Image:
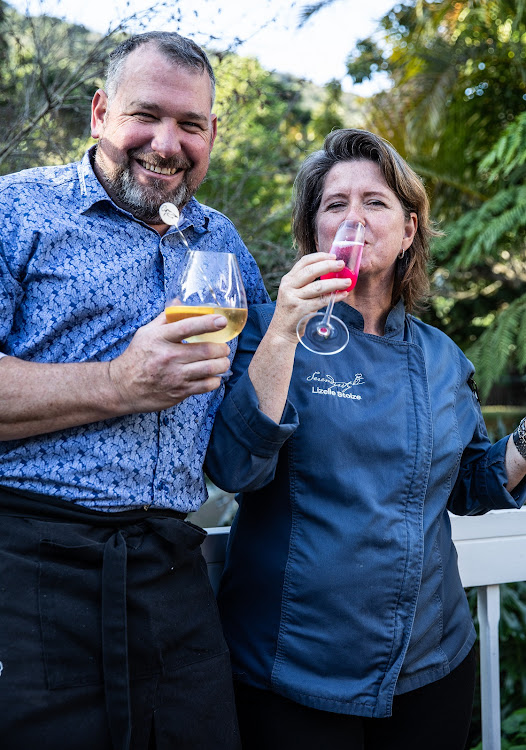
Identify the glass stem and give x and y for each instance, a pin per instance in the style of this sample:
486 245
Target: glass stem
325 321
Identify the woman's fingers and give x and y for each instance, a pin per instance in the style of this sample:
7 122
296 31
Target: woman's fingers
304 277
314 265
302 291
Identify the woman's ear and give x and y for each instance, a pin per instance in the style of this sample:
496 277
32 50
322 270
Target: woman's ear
411 226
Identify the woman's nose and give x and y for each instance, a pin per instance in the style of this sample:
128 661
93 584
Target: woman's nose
356 213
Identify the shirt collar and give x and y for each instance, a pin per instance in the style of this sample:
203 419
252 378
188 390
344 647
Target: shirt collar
195 215
91 192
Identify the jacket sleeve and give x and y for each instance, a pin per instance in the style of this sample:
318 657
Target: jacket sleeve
480 484
244 445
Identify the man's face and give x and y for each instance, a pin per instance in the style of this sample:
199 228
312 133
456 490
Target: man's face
155 135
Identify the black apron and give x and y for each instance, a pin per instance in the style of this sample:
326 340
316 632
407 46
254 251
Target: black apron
109 631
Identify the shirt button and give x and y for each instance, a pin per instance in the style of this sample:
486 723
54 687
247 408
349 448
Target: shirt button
166 421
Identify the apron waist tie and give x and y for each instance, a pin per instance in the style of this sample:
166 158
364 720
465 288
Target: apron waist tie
115 641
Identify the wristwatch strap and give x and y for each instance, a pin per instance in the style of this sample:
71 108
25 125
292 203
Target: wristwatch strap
519 438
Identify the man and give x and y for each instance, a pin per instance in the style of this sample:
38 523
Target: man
109 636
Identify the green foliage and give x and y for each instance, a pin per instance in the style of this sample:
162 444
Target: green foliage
264 131
366 60
499 343
50 73
507 159
457 67
267 124
249 179
492 237
500 220
482 232
456 112
513 732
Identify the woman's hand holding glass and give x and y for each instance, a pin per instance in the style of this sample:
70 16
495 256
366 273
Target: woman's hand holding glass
324 333
302 292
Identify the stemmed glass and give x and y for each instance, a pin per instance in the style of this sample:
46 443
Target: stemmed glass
324 333
210 282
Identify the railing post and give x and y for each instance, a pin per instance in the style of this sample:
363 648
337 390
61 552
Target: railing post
488 608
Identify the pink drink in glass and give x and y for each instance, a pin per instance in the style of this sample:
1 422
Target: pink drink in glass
351 253
323 332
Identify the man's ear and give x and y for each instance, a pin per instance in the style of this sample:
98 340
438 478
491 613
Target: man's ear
214 131
99 107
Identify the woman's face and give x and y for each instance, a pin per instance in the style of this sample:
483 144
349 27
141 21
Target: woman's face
357 190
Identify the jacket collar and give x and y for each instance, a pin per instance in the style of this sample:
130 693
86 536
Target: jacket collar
394 326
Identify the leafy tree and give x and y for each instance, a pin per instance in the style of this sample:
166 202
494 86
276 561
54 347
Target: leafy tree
267 122
50 72
260 118
492 238
458 75
46 88
264 132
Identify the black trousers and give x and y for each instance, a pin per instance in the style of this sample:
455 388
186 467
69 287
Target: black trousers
434 717
109 632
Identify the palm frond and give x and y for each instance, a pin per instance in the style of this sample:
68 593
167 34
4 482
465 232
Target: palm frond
498 345
479 233
509 153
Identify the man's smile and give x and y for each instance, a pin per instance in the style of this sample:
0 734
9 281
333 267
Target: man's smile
170 171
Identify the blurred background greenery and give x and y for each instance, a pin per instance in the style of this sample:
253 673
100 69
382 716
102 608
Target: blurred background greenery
454 105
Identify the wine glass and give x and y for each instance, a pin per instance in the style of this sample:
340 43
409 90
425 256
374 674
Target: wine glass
324 333
210 282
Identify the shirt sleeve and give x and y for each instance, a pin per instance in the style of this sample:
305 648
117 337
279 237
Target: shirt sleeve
480 485
252 279
245 443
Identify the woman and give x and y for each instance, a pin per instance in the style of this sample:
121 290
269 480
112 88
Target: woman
341 599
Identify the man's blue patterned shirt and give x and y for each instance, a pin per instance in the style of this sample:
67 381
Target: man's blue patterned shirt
78 277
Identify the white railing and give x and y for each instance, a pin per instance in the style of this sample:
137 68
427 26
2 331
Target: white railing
491 550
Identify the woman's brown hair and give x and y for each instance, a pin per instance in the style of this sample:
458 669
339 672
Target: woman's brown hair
411 275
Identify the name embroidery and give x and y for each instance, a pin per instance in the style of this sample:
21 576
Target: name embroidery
340 389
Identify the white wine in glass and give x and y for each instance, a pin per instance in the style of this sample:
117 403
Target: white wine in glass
210 283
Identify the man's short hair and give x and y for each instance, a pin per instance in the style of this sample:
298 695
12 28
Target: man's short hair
178 49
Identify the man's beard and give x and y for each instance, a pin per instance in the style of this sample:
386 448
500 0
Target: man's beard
143 201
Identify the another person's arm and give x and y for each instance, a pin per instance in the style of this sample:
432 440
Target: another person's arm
300 292
155 372
491 476
255 418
